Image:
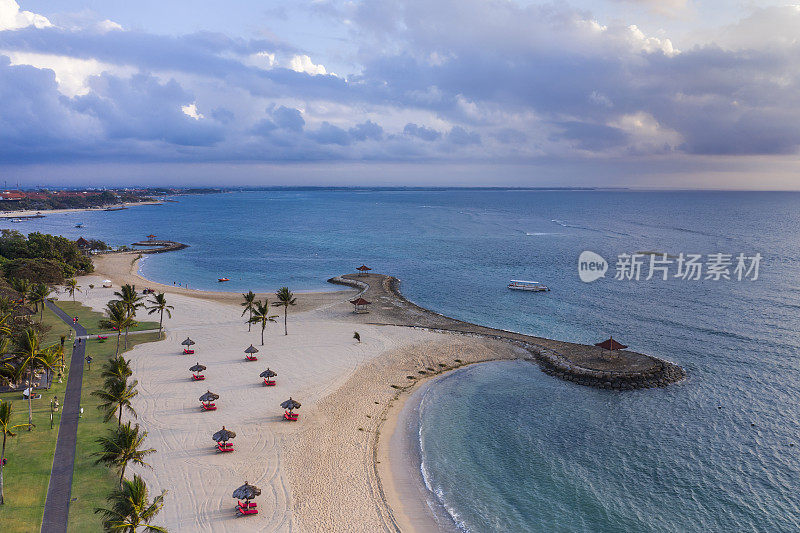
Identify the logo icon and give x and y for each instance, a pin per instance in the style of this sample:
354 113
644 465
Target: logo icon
591 266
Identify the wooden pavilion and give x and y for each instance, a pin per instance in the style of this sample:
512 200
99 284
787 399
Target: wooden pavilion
360 305
611 345
363 269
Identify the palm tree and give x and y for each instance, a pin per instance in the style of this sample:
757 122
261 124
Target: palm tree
285 299
7 430
249 305
131 509
38 295
117 368
261 316
121 447
117 319
159 305
31 357
22 286
117 396
6 305
130 301
72 286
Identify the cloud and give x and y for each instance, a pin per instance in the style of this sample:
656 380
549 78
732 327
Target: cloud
303 63
12 18
462 137
434 81
426 134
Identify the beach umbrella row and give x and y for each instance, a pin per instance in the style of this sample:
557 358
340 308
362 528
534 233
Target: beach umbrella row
290 404
209 397
268 374
197 368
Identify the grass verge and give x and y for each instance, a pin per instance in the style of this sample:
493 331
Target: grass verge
91 483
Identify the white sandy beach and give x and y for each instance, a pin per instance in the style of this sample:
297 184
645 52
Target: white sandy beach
45 212
317 474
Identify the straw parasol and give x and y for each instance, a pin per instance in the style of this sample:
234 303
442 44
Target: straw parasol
251 350
223 435
197 368
246 492
209 397
290 404
187 342
268 374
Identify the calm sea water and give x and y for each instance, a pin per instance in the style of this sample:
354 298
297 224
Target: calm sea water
719 452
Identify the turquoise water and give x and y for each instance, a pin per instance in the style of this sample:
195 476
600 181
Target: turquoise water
526 451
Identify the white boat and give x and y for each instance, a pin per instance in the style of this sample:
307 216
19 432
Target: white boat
16 220
521 285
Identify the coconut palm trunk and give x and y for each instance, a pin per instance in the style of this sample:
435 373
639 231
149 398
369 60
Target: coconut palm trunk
119 333
2 460
30 399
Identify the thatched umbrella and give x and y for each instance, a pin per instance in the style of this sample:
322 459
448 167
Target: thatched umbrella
223 435
246 492
209 397
197 368
187 342
290 404
268 374
251 350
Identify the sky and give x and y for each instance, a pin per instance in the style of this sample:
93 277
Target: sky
632 93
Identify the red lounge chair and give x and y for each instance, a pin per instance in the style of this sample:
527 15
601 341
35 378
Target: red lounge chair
187 351
290 416
209 407
225 448
245 505
251 357
246 511
102 337
269 383
198 377
229 444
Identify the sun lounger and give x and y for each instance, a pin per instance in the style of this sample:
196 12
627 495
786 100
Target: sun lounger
246 511
229 444
251 357
245 505
269 383
225 448
102 337
198 377
209 407
188 352
290 416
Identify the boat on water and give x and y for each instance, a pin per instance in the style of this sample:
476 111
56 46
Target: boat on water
521 285
16 220
79 225
223 279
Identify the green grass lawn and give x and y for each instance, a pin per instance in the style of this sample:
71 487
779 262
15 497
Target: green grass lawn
91 320
30 454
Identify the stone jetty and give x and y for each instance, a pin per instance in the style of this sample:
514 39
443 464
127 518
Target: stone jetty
583 364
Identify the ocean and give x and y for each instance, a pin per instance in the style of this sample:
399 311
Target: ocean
505 447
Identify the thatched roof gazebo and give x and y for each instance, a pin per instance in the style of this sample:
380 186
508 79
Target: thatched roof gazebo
610 344
363 269
360 305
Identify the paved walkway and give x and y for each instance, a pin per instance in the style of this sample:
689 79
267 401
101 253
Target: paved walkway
56 507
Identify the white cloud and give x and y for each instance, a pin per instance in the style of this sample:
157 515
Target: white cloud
12 18
191 111
108 25
303 63
71 73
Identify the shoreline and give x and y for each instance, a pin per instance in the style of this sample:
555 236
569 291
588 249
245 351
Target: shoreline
346 459
31 213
